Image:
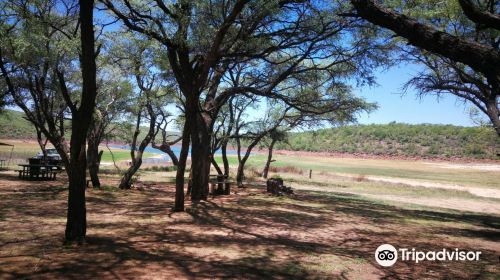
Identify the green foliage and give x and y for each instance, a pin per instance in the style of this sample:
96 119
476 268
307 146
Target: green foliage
14 126
398 139
156 168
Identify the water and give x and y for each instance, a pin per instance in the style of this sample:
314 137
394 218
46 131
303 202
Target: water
164 157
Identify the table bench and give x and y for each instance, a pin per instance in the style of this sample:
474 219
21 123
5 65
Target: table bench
38 172
220 184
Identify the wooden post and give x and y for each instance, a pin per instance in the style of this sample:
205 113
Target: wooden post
310 173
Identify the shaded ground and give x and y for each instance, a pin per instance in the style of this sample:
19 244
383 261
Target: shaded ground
250 235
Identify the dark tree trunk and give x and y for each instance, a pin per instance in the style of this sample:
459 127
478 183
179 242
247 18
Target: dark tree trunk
220 177
165 147
181 168
479 57
225 161
171 154
269 159
94 161
216 165
126 181
200 151
76 225
41 142
240 174
494 115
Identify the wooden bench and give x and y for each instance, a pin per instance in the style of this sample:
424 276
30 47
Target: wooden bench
38 172
40 175
220 185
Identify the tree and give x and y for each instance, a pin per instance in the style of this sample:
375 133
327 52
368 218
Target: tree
469 69
76 225
37 56
113 97
202 39
275 136
137 59
166 140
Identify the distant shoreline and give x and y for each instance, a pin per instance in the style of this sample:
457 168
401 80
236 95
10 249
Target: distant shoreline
321 154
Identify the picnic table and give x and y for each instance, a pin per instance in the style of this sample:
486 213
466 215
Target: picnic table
38 171
220 184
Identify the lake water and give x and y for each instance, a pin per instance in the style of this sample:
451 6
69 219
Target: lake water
164 157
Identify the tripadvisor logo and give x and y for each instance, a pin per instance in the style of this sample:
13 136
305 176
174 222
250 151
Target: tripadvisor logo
387 255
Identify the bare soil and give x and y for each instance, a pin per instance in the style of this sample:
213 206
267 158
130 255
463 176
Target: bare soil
247 235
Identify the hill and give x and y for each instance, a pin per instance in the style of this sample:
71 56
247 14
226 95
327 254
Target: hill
399 139
13 125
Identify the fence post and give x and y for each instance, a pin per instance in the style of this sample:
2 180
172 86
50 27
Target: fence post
310 173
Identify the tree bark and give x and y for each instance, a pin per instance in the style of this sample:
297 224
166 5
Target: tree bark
200 150
126 181
481 58
269 159
481 17
240 174
76 225
225 161
94 161
181 168
494 113
165 147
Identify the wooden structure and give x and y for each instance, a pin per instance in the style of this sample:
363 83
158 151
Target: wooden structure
276 187
38 169
220 185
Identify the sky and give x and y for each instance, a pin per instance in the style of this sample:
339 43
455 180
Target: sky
409 108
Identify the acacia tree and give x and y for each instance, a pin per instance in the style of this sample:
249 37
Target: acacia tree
459 49
136 57
277 135
340 109
203 38
41 41
111 100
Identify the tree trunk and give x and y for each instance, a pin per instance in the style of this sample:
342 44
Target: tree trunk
41 142
216 165
225 161
480 57
181 168
76 224
269 159
172 155
240 174
166 149
94 162
220 178
126 181
200 150
494 114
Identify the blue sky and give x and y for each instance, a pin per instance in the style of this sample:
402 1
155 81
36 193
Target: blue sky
410 108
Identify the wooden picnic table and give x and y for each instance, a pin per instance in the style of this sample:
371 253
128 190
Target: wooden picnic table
38 171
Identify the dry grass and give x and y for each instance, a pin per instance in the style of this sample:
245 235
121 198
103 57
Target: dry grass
286 169
250 235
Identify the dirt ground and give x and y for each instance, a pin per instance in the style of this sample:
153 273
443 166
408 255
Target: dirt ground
247 235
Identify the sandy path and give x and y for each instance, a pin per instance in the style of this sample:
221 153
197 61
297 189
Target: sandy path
461 204
483 192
